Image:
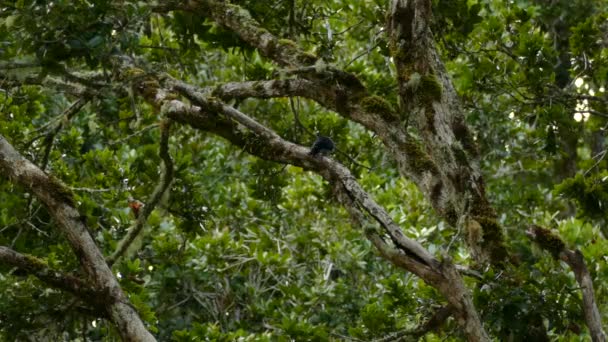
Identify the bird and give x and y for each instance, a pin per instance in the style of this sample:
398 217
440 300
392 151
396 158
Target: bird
322 146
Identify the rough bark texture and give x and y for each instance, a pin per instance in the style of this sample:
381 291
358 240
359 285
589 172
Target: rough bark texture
430 105
60 203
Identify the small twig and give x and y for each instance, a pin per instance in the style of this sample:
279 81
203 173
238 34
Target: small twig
90 189
37 229
601 156
366 52
17 236
296 118
49 140
141 131
158 47
177 304
353 160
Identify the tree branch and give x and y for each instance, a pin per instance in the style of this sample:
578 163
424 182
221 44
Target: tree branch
49 139
166 177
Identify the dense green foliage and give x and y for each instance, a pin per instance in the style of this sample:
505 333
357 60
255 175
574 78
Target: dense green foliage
244 248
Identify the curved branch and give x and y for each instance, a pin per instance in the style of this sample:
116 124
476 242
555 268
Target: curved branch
166 177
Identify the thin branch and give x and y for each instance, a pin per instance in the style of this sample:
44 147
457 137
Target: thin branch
296 118
366 52
91 190
600 156
166 177
68 114
141 131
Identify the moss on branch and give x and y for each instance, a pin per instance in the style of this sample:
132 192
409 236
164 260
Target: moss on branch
377 105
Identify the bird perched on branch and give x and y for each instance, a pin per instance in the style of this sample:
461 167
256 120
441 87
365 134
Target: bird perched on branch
322 146
135 206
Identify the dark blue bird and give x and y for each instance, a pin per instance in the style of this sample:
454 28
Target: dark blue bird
322 146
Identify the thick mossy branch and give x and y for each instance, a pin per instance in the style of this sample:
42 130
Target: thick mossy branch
430 88
547 240
418 160
377 105
493 239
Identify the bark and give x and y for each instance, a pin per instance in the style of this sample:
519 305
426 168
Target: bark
60 203
429 104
